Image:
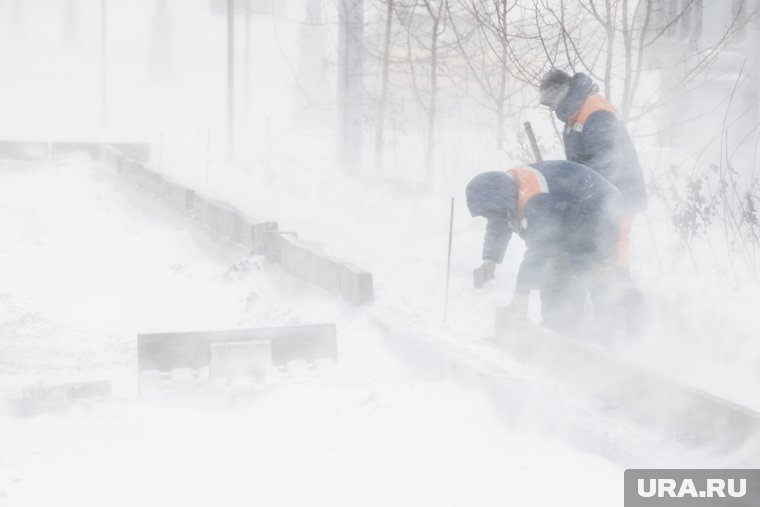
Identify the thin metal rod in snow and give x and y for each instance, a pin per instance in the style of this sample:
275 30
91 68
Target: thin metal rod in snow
208 154
533 144
448 262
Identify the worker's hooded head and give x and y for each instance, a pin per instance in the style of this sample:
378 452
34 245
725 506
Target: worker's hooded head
491 193
553 88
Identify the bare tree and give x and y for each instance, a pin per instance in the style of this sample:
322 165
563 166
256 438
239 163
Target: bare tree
425 23
483 38
610 40
487 55
384 83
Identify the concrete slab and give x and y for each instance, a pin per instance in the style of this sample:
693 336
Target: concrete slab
615 388
168 351
231 226
259 240
273 244
214 217
24 150
240 226
326 273
59 148
295 257
545 408
176 196
58 398
109 156
199 207
236 360
356 285
140 152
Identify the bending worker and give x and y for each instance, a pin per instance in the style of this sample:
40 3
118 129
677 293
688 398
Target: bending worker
569 217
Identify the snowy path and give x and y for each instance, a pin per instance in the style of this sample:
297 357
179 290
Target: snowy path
698 324
82 269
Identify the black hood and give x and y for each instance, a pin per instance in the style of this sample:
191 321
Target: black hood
581 86
491 192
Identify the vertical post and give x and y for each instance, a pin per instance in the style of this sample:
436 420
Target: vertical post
161 61
448 262
70 39
380 123
16 28
160 150
350 35
342 80
247 59
269 148
103 62
230 79
208 153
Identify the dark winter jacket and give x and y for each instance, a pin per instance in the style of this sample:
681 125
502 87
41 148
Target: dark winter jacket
561 209
595 137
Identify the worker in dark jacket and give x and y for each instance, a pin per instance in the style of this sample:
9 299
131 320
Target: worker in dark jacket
569 217
595 137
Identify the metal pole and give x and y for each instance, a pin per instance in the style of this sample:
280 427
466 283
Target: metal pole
448 262
230 79
160 150
269 149
208 153
350 45
247 58
103 67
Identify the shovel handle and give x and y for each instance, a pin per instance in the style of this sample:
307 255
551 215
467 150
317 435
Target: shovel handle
533 143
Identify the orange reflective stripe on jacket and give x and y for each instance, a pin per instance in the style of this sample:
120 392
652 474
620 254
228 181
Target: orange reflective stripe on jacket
530 182
592 104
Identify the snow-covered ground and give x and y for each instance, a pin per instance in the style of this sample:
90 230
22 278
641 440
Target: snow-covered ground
701 330
86 266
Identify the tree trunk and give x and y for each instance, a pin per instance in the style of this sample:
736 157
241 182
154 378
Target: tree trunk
350 35
432 106
502 80
610 21
382 101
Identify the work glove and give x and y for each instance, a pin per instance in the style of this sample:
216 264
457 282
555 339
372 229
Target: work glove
484 273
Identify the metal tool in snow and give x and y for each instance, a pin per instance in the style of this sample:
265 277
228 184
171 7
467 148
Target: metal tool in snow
448 261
